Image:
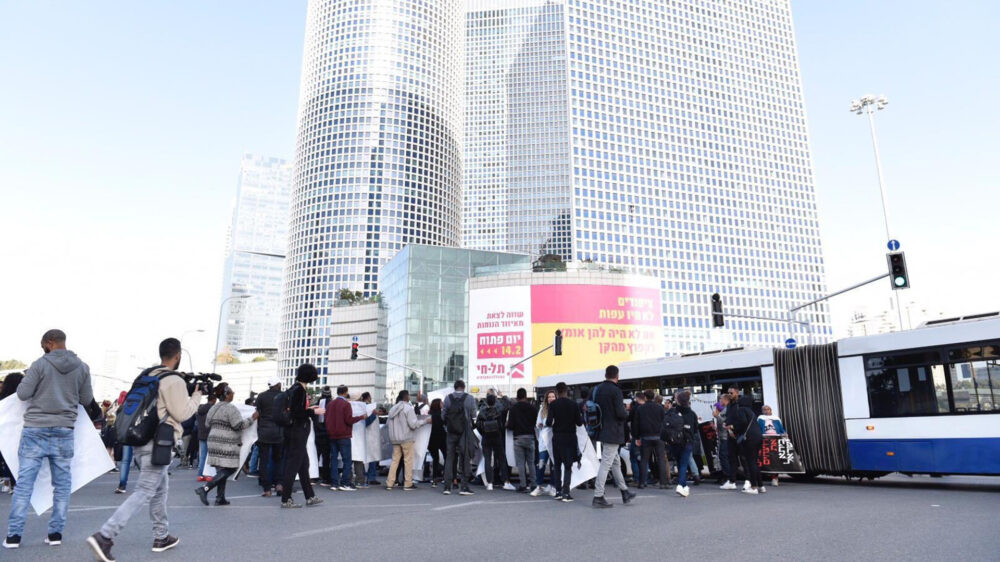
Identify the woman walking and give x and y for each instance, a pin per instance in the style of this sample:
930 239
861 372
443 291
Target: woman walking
749 440
436 445
225 427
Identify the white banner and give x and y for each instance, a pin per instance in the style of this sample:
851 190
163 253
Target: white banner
422 439
588 464
359 445
90 457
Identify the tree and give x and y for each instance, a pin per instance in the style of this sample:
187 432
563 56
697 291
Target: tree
259 359
226 358
12 364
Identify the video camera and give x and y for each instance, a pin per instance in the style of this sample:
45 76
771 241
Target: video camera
200 381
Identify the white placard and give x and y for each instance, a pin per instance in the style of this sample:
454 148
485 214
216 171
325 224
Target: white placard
422 438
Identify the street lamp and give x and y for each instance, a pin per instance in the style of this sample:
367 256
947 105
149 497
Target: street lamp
870 104
215 356
186 332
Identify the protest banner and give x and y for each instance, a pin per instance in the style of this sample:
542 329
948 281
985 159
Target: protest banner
90 458
778 456
589 462
422 438
359 448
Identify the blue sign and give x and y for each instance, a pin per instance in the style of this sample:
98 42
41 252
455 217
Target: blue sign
893 245
354 339
790 343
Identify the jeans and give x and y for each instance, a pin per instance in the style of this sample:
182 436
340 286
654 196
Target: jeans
723 451
38 444
269 465
683 454
254 466
202 455
401 453
151 488
126 466
342 448
634 456
372 474
653 448
564 455
456 450
493 456
609 463
524 460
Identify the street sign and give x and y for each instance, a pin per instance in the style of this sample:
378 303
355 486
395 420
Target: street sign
354 339
893 245
790 343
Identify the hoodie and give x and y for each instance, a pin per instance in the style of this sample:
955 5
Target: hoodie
53 386
402 423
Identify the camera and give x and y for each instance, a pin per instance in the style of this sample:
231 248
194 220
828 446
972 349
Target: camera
200 381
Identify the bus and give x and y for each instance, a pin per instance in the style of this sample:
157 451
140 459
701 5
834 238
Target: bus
925 400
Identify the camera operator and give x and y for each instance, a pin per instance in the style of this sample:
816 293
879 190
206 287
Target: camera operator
173 406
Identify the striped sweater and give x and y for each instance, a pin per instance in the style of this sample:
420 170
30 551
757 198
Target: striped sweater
224 435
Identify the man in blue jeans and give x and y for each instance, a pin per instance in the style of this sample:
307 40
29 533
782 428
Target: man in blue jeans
340 427
52 386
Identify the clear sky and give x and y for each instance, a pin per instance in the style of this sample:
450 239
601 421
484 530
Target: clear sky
122 125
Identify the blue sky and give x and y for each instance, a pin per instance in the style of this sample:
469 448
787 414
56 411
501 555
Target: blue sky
122 126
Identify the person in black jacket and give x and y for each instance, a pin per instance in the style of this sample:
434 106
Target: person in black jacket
296 436
609 398
647 431
683 450
750 440
269 438
564 417
732 449
521 421
437 445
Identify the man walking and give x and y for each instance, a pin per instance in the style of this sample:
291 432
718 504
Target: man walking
564 417
647 433
402 423
609 399
340 427
173 406
459 409
490 427
269 438
53 386
296 438
521 421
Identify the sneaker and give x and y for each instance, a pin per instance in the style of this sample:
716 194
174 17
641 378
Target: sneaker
434 484
54 539
627 496
746 484
447 491
489 487
762 490
266 494
558 496
509 487
202 494
551 491
115 469
101 547
290 504
536 492
568 498
313 501
600 502
347 488
201 479
409 488
522 490
681 491
751 491
326 484
774 481
120 490
466 492
13 541
166 543
729 485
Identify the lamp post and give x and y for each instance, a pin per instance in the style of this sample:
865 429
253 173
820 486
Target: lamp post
869 104
186 332
215 356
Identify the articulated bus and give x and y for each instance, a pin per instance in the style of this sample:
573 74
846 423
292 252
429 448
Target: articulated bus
925 400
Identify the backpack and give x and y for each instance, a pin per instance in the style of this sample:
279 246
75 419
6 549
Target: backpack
454 416
674 432
592 415
137 419
489 422
281 408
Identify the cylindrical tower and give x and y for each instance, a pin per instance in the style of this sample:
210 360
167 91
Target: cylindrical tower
378 155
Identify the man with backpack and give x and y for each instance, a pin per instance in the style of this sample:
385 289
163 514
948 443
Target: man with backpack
611 404
458 411
291 411
173 406
52 386
490 426
680 423
269 438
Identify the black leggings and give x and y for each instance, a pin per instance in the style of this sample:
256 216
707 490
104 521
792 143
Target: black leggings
221 476
750 452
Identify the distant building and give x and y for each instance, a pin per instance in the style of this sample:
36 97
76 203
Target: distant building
248 377
365 321
867 321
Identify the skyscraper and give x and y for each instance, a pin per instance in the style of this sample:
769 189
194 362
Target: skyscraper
378 156
667 137
257 239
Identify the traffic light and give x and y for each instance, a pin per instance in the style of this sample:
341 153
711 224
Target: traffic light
717 320
558 342
897 271
354 351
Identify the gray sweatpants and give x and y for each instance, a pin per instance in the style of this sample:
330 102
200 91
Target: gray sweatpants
609 462
524 460
152 487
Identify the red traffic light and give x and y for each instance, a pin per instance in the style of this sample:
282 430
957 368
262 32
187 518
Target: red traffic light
354 351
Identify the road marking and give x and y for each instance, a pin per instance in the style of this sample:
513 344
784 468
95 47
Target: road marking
334 528
935 505
463 504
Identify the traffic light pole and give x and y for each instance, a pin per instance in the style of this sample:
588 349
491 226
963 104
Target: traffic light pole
840 292
510 371
419 372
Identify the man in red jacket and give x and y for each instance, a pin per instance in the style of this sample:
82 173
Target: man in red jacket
340 427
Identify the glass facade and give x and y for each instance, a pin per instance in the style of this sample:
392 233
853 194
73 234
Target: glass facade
378 154
687 153
425 290
260 226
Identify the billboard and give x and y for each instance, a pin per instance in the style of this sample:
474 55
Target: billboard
601 325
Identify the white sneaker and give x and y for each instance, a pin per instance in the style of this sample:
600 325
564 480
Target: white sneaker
682 491
774 481
509 487
762 490
728 486
536 492
687 491
751 491
551 491
489 487
746 485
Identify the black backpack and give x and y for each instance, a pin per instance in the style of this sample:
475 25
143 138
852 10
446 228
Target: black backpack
454 416
489 422
281 408
137 419
674 432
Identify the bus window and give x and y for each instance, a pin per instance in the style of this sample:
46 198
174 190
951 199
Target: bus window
976 386
905 385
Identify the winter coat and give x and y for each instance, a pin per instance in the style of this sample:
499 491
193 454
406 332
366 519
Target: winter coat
226 426
609 397
403 422
268 432
200 421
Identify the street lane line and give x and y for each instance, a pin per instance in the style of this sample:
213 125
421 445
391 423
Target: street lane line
463 504
334 528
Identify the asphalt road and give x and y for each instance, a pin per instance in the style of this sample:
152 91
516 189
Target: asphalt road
895 518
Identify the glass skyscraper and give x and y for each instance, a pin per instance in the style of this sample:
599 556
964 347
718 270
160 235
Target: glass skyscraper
258 237
378 156
666 137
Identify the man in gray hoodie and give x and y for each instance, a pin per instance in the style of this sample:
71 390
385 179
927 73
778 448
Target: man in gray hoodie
402 423
53 386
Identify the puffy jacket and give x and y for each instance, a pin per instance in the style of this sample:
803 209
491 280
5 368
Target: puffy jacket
402 423
268 432
613 414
